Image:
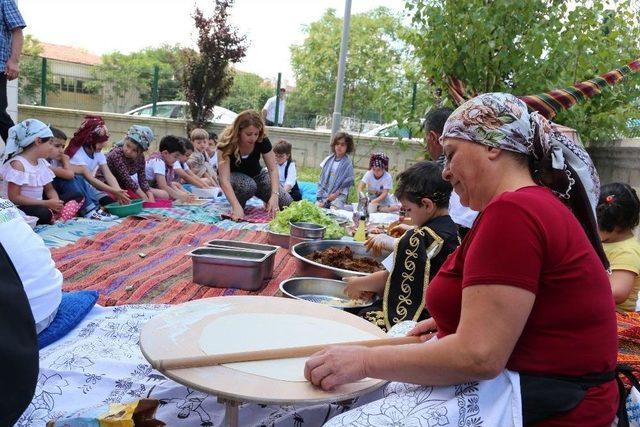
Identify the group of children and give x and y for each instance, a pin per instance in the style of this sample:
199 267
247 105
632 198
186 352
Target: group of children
48 179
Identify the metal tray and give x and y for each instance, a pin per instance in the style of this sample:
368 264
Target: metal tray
322 291
310 268
278 239
228 268
251 247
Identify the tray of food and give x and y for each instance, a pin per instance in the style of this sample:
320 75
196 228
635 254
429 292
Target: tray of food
323 291
229 268
251 247
335 259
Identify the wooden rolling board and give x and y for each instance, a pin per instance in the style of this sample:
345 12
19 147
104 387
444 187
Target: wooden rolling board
176 333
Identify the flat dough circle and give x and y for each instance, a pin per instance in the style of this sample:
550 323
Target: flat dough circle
261 331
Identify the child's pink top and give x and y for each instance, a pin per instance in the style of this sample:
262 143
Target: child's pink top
31 181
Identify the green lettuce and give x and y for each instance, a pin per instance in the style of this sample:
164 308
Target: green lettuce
305 211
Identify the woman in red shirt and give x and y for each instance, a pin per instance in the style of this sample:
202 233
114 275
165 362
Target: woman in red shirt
525 318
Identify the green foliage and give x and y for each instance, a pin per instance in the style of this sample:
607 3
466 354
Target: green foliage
378 73
247 92
30 77
533 46
206 78
119 75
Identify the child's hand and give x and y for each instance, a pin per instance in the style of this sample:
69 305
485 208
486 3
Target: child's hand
355 288
399 230
378 243
54 204
150 197
122 197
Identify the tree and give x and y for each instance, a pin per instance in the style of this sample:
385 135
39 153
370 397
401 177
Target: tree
119 76
247 92
30 77
532 46
377 86
206 78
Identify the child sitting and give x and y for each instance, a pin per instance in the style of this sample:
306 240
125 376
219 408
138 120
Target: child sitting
212 150
62 169
618 214
86 159
26 173
198 160
126 162
418 254
184 174
378 182
337 173
160 171
287 169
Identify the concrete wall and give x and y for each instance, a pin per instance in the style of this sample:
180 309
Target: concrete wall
619 162
309 147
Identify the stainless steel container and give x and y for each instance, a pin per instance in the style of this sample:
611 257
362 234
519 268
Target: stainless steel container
293 240
307 230
228 268
271 250
322 291
278 239
306 267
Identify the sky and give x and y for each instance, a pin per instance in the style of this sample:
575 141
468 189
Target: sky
271 26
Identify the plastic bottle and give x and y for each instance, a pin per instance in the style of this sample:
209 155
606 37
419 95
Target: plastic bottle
360 235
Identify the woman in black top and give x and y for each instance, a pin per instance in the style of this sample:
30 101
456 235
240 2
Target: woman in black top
241 175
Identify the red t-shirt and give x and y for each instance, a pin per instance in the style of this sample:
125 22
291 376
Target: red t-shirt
530 240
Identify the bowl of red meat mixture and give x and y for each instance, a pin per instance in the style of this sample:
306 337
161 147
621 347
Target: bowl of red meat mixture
335 259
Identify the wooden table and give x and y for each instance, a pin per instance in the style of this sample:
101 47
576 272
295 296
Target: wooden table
176 333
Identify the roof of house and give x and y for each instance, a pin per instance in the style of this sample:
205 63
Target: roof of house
69 54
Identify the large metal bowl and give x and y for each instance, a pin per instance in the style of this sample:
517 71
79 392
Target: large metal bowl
306 267
322 291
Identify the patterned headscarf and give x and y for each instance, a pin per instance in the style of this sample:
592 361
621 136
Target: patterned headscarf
379 160
503 121
141 135
91 132
23 135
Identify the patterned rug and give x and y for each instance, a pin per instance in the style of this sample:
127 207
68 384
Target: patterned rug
63 233
144 261
629 340
253 214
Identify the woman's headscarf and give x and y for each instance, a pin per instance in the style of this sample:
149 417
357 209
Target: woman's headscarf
379 160
141 135
91 132
23 135
503 121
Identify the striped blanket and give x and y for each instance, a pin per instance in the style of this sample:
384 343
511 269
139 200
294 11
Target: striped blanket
143 261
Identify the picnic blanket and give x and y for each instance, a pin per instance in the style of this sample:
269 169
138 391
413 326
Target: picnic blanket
253 214
629 340
100 362
144 261
63 233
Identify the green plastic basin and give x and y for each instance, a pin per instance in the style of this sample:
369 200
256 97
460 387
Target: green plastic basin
135 207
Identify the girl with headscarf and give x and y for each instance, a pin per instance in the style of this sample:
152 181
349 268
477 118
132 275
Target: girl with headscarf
377 183
86 158
127 163
26 175
523 313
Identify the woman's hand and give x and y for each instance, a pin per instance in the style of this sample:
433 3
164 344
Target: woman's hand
54 204
424 329
237 213
335 366
150 197
122 197
272 205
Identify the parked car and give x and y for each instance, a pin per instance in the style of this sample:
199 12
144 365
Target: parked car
393 130
179 110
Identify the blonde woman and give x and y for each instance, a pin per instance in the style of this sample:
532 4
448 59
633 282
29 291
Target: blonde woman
241 175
